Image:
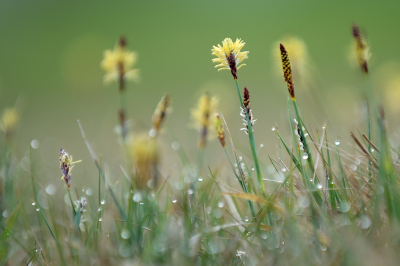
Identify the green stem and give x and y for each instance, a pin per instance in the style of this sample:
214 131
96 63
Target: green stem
252 143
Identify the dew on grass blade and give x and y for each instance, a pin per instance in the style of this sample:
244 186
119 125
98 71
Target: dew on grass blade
337 142
176 145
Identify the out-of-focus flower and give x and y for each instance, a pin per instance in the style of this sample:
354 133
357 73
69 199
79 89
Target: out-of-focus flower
144 153
201 117
66 165
9 121
159 115
229 55
360 51
118 63
219 129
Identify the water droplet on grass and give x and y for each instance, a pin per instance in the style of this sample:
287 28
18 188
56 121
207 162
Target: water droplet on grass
319 186
261 145
34 144
246 219
174 201
100 219
102 202
220 204
137 197
33 203
125 234
337 142
365 222
175 145
190 191
273 128
305 156
200 179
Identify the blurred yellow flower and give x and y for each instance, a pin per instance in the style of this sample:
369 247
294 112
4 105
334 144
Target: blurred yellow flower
144 153
118 63
9 121
229 55
202 115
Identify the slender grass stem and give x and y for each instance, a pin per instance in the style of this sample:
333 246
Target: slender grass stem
252 142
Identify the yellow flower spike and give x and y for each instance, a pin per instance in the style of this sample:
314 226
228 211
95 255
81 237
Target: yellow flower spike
159 115
144 152
229 55
219 129
201 117
361 48
118 63
9 121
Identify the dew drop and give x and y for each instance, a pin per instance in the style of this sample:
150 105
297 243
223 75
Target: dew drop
174 201
125 234
246 219
190 191
100 219
337 142
99 209
220 204
34 144
200 179
319 186
273 129
240 158
37 209
365 222
264 235
372 150
252 169
51 189
137 197
142 203
5 214
261 145
305 156
102 202
283 169
175 145
33 203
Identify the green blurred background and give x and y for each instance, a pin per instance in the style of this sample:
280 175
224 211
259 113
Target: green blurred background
50 53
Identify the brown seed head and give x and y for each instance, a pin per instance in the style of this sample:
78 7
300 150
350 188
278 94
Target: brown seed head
246 110
287 70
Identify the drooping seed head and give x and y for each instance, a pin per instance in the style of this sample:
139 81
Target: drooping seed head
66 165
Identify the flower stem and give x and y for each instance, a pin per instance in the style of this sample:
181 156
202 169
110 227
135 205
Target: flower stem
252 142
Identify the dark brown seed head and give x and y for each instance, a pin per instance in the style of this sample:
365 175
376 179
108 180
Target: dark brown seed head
122 41
287 70
232 64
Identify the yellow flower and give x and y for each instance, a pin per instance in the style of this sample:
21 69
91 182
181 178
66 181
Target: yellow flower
9 121
201 117
361 49
144 153
118 63
229 55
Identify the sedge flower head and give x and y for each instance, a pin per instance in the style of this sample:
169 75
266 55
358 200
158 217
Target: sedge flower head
202 117
297 50
9 121
118 63
360 51
144 152
229 55
66 165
